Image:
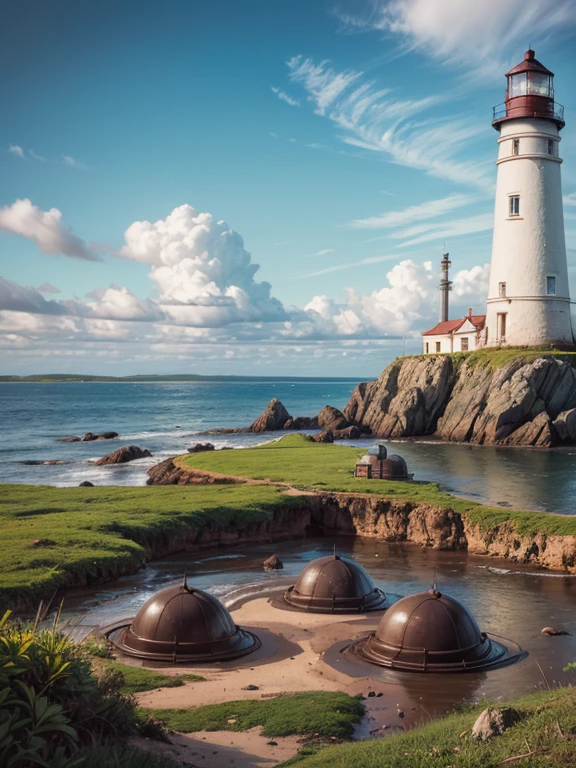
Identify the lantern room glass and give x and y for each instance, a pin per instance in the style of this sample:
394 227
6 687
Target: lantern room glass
530 83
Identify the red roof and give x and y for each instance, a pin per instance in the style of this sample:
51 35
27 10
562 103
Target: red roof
451 326
529 64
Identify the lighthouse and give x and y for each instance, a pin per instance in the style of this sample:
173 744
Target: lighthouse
528 297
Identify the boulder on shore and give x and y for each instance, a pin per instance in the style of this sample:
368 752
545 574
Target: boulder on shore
201 447
273 418
123 455
326 436
86 484
493 722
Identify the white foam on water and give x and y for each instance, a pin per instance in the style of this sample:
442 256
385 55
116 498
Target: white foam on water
537 574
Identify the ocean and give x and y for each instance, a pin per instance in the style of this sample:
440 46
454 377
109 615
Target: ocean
166 417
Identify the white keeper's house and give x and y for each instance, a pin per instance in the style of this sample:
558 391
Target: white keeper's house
528 296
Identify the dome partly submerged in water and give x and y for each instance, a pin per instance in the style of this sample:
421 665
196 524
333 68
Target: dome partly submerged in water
431 632
335 584
183 624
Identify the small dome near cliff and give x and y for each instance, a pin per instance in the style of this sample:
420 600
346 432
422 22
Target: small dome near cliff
335 584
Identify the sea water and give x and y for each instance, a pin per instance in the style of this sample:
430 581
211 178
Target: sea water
167 417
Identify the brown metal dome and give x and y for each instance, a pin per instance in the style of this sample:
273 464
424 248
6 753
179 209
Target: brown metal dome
335 585
184 624
394 468
429 632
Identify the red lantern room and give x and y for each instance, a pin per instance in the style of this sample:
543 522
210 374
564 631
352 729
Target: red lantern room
530 93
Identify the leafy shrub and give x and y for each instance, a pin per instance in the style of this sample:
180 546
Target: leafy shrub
51 703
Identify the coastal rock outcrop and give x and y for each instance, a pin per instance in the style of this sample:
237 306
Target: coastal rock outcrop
273 418
167 472
331 418
522 403
88 437
201 447
123 455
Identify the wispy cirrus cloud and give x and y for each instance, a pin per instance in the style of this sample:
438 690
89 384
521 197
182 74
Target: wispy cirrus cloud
15 149
372 119
324 251
283 96
464 32
421 212
46 228
425 233
348 265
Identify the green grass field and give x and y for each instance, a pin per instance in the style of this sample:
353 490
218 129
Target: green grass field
57 537
327 714
546 733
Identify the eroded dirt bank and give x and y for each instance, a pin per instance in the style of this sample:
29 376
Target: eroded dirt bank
340 514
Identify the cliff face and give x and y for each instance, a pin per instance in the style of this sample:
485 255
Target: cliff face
520 403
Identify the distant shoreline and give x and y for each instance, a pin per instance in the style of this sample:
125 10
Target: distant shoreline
56 378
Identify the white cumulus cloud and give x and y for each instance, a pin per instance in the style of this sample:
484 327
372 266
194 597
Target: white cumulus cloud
204 274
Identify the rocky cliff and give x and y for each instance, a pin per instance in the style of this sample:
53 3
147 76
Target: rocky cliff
529 403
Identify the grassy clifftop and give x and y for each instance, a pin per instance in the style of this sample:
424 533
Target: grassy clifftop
495 357
318 467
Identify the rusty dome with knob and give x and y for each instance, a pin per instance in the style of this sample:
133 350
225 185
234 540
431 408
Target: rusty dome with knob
184 624
334 584
431 632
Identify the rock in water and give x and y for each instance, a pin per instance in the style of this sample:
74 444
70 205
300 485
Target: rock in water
123 455
90 436
331 418
273 563
493 722
552 632
201 447
273 418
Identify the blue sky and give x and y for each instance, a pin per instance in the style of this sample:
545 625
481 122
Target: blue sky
344 143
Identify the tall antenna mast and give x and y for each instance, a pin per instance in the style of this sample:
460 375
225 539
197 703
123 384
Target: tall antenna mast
445 286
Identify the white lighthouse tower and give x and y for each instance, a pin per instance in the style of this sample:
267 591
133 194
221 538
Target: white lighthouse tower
528 297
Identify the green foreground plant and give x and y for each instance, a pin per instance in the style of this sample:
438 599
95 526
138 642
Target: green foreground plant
51 705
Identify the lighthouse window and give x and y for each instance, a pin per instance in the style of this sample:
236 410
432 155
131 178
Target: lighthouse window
514 209
502 289
516 147
551 285
550 146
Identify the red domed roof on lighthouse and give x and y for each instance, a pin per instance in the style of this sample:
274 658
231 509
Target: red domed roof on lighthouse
529 63
529 94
